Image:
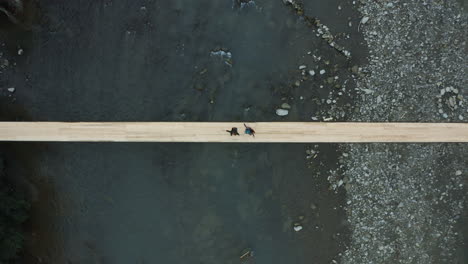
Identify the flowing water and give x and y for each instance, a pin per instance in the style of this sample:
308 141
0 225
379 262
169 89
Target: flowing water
172 203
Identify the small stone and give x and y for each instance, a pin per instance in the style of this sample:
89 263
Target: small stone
20 52
322 71
379 99
452 101
301 97
445 115
297 83
460 117
455 91
368 91
282 112
340 182
297 227
301 217
339 7
347 186
285 106
329 101
11 89
442 91
311 72
458 172
302 67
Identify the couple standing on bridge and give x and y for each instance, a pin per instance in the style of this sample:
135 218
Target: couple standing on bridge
248 131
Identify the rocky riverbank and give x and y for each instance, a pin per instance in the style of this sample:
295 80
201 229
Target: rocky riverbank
404 202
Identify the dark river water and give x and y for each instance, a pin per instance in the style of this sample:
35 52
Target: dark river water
172 203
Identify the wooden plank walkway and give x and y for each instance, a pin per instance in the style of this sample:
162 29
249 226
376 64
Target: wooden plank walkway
272 132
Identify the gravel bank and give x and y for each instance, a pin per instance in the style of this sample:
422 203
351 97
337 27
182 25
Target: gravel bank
403 201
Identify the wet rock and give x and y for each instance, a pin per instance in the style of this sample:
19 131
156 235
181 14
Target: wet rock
311 72
302 67
282 112
322 72
11 89
297 227
285 106
224 55
458 173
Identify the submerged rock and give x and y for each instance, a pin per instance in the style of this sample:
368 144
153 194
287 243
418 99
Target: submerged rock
285 106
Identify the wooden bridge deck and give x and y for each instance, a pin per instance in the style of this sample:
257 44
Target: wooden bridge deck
271 132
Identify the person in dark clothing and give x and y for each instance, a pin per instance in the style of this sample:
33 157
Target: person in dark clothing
249 130
233 131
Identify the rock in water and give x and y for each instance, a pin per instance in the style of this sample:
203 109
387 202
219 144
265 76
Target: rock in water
285 106
11 89
282 112
297 228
